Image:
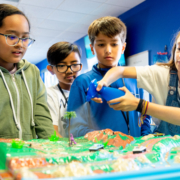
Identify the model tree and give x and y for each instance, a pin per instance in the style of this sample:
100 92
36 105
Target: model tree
69 115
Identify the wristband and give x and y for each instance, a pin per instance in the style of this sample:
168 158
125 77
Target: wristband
139 107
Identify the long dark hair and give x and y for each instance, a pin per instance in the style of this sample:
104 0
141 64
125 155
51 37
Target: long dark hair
8 10
171 62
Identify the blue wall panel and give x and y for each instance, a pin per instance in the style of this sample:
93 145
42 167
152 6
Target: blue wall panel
151 25
42 65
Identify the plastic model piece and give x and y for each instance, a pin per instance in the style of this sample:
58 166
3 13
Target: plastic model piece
139 149
72 139
96 147
158 134
54 137
107 93
104 143
17 144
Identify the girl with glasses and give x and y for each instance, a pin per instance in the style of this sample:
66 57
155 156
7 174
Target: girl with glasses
64 63
23 109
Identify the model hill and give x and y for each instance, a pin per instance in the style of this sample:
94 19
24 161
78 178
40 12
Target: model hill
114 138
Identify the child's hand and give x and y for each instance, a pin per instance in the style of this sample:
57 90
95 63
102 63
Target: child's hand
128 102
97 100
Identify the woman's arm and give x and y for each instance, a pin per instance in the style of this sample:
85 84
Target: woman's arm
129 103
112 75
165 113
115 73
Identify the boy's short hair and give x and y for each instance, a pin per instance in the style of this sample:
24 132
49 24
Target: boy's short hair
59 51
109 26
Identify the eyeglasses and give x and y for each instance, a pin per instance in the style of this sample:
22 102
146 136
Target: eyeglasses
64 68
12 40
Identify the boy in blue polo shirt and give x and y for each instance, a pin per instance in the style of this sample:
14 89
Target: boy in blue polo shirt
107 36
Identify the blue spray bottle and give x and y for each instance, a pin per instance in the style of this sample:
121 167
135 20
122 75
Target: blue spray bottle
107 93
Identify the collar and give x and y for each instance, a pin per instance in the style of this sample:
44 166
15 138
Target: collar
105 69
14 69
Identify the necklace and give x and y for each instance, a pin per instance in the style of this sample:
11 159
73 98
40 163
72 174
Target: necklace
62 92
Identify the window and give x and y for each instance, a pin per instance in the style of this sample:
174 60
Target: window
49 79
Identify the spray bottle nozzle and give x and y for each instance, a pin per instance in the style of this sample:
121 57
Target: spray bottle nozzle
92 90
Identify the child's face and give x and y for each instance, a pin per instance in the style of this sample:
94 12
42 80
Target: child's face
108 50
15 25
66 78
177 54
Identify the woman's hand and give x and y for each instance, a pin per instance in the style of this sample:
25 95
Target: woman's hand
101 83
128 102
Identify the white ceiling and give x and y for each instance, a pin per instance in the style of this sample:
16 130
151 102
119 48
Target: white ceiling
64 20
